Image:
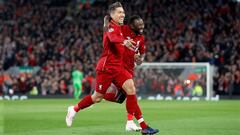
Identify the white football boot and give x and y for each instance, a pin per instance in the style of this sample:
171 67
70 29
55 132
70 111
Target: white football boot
70 116
131 126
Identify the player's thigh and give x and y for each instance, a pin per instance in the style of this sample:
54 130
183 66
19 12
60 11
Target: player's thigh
103 82
125 81
129 87
97 97
77 86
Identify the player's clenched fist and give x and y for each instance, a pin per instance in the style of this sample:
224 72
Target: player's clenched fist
138 59
129 43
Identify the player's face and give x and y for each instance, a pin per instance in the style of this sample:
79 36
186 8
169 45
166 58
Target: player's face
138 26
118 15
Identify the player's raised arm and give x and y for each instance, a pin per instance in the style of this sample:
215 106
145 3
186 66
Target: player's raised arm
106 22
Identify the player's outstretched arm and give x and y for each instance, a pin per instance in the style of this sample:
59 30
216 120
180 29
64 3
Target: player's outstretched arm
106 23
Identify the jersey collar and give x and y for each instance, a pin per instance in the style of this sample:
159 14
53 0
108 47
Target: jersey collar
114 23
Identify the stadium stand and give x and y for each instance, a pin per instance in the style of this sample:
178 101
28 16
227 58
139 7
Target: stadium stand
60 35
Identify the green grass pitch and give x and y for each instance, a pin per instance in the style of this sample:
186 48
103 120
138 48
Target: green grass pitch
47 117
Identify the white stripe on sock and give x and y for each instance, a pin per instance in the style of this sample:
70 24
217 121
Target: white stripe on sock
140 120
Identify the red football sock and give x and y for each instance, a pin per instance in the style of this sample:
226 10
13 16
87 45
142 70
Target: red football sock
131 104
84 103
138 116
110 97
129 117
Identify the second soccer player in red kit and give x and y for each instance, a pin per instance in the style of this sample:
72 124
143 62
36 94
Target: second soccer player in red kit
110 70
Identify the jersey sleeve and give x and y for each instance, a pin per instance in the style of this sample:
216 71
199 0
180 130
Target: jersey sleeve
115 35
142 46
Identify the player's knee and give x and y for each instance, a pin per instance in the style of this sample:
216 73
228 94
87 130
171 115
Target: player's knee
129 87
132 91
97 100
97 97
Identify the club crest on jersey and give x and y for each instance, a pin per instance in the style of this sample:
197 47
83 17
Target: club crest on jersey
110 30
100 87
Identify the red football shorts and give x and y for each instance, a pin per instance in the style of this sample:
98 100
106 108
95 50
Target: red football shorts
105 78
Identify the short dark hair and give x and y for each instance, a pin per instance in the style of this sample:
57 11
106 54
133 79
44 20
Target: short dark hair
133 18
113 6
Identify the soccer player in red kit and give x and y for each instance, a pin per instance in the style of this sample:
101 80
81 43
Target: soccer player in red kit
132 31
110 70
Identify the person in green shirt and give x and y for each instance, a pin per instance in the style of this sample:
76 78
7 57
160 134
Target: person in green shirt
77 76
197 90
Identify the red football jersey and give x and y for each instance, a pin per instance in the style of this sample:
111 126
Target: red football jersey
112 55
128 56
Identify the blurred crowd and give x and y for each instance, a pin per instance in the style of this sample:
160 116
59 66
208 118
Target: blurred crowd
170 81
61 35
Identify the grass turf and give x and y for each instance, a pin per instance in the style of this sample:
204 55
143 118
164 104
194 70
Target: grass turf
47 117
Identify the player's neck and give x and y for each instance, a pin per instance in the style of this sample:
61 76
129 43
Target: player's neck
115 23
